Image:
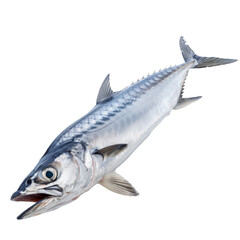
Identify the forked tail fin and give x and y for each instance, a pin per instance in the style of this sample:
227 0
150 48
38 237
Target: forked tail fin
189 54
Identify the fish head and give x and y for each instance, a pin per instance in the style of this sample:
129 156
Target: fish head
60 177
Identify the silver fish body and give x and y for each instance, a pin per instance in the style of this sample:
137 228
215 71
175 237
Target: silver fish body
130 115
89 150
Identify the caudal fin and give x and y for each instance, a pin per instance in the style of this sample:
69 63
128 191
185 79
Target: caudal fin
189 54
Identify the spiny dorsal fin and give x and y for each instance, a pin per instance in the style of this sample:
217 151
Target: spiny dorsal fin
116 183
105 90
109 150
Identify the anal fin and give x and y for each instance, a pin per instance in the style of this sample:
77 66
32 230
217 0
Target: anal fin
183 102
116 183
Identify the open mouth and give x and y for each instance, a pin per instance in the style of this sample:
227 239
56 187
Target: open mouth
30 198
43 201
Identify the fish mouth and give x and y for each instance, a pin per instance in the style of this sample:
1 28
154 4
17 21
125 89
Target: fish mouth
44 200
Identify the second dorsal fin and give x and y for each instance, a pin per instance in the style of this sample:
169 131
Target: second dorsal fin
105 90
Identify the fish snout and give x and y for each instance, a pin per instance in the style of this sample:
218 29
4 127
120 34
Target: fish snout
15 196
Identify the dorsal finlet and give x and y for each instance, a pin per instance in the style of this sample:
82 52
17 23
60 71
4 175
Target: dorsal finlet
105 90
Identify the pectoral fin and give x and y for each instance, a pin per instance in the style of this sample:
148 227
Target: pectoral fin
111 150
116 183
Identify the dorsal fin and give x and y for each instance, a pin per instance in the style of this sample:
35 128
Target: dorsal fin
105 90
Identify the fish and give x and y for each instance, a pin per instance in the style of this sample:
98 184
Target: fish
89 151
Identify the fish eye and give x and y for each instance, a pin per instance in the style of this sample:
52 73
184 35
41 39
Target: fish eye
49 174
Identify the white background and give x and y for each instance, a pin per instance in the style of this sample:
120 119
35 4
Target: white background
54 56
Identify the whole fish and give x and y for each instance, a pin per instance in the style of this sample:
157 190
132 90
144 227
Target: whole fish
89 151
